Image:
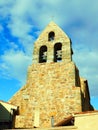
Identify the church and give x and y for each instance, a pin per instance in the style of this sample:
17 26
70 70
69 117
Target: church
54 90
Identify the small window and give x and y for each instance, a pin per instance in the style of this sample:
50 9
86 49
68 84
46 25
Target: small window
58 52
43 54
51 36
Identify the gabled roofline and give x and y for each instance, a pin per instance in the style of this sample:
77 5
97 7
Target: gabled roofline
16 107
85 113
65 121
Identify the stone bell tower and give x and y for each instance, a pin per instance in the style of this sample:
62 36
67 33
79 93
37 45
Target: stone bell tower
53 45
54 88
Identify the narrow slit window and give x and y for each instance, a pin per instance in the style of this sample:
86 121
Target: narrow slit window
43 54
51 36
58 52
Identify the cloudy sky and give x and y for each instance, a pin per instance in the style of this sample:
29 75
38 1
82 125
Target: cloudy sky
21 21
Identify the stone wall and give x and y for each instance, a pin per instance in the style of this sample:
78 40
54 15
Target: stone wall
85 95
50 91
60 36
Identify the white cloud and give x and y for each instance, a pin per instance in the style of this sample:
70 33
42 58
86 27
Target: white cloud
14 65
5 7
20 28
78 18
13 45
87 63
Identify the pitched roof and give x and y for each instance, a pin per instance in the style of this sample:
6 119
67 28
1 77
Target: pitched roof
66 122
11 105
86 113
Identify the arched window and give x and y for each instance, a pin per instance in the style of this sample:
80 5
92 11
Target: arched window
51 36
57 52
43 54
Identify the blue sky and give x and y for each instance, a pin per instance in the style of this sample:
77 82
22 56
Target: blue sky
21 21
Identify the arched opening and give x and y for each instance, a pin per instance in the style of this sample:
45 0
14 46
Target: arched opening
51 36
43 54
57 52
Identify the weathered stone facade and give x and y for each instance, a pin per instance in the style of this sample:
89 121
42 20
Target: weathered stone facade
54 88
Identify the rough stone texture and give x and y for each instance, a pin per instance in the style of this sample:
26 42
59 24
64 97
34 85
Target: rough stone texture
85 95
52 88
60 36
